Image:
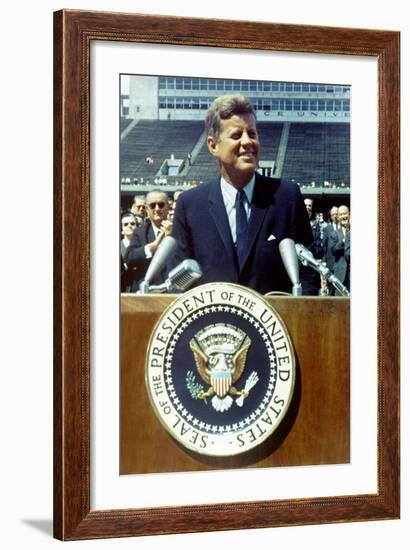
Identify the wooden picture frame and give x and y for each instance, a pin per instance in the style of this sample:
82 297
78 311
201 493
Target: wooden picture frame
74 33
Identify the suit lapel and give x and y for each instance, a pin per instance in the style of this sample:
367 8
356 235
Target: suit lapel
218 213
149 233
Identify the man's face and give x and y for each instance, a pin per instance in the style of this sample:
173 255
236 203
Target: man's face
333 215
157 208
344 216
309 206
128 226
138 208
237 148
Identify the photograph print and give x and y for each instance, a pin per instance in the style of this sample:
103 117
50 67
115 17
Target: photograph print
235 273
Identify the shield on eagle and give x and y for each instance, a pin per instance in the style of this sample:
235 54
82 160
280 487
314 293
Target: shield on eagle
221 381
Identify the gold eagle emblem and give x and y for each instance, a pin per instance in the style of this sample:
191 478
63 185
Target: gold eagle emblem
220 353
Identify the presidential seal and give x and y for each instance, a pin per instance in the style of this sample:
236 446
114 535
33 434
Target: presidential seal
220 369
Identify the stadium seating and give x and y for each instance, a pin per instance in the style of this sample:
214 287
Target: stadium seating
318 152
124 122
161 138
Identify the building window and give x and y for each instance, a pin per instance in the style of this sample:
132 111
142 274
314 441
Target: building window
288 104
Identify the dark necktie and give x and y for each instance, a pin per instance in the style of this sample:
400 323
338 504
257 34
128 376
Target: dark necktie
241 225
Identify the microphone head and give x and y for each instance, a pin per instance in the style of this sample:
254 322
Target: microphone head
184 275
290 260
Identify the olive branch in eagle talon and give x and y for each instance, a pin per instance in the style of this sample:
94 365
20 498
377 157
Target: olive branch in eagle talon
193 386
221 369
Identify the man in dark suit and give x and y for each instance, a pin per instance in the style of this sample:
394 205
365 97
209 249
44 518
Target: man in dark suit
233 226
148 237
330 236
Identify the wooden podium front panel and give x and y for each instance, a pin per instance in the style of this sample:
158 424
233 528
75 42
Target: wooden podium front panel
316 429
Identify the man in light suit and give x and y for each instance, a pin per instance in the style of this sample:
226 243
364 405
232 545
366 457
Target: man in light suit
233 226
148 237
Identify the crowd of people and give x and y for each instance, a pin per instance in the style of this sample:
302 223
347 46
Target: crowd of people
233 226
143 227
149 219
331 242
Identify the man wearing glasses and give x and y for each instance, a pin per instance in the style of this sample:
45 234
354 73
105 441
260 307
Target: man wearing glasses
148 237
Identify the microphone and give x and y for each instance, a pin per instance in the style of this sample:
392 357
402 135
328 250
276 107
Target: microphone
290 261
306 258
166 248
180 278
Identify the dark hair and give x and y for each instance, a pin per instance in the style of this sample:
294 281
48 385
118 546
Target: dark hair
126 214
224 107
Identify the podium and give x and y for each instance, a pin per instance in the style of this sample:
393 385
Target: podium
316 429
